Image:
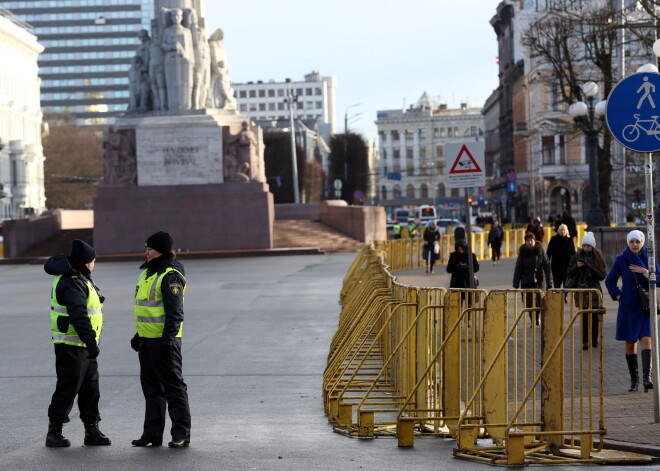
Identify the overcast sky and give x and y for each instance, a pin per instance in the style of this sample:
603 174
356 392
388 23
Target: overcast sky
384 53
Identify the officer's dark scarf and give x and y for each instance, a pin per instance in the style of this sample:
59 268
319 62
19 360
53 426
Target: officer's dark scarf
157 264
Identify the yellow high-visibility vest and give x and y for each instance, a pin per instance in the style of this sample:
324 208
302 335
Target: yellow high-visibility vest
149 309
94 311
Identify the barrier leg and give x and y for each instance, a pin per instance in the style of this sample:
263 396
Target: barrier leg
365 423
405 433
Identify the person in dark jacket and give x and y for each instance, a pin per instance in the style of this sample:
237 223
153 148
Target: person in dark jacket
495 238
159 321
431 237
588 268
457 265
567 219
76 322
559 252
532 268
536 228
632 323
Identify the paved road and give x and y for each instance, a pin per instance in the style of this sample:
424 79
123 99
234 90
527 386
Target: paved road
255 344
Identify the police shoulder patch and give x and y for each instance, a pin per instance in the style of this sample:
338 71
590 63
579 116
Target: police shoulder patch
175 288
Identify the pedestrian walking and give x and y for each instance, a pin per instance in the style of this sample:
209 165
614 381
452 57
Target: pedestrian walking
559 252
633 324
458 266
536 228
431 249
532 268
588 268
76 320
159 320
495 238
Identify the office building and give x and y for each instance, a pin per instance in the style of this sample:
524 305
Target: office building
21 154
89 46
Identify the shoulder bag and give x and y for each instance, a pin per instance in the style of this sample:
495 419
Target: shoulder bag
644 297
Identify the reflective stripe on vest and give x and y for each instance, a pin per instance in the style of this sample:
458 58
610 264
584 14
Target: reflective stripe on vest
94 312
149 309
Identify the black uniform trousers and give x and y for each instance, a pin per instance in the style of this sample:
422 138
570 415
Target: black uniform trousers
163 385
76 375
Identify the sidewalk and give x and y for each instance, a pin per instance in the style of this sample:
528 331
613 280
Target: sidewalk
628 415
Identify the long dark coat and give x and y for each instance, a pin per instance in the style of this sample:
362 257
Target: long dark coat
532 267
559 252
631 322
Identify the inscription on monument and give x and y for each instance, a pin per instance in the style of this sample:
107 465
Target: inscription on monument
180 155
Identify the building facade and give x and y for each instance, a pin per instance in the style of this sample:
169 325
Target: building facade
89 47
315 102
21 153
412 160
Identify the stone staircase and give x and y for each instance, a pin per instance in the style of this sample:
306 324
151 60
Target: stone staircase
302 233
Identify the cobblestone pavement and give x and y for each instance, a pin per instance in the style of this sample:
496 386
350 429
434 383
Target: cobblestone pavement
629 416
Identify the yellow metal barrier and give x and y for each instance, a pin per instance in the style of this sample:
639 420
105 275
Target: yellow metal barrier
470 365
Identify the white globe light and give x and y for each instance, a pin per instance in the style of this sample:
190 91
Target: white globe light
656 48
647 69
578 109
590 89
600 108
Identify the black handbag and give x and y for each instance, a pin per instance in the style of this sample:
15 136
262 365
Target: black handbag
644 298
570 282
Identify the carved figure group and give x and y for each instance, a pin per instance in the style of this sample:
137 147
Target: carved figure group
241 156
119 158
179 68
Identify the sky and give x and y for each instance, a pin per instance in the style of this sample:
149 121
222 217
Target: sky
384 53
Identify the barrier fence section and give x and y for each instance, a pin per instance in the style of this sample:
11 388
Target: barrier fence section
515 376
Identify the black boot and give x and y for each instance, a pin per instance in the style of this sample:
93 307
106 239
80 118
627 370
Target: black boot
646 369
634 374
93 436
54 438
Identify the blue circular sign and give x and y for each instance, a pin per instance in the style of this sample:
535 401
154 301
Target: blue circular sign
633 110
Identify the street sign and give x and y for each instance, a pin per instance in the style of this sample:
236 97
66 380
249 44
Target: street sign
511 187
633 108
337 184
393 176
358 195
481 201
466 165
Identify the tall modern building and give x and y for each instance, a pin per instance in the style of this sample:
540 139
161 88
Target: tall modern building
89 46
315 105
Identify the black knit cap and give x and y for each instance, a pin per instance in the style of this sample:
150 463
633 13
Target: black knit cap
82 252
160 241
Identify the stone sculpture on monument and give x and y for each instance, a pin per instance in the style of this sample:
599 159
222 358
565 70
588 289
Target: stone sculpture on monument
182 155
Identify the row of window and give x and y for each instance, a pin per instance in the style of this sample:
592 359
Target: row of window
85 15
306 105
83 95
85 108
63 3
318 117
88 82
424 169
70 56
280 92
76 69
409 134
411 192
410 152
90 42
107 28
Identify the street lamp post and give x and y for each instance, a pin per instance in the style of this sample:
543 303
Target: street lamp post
586 114
291 99
346 140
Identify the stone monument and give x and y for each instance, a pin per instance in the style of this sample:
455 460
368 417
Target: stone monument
182 159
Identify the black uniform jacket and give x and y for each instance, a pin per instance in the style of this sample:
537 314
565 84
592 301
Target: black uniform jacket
72 292
171 287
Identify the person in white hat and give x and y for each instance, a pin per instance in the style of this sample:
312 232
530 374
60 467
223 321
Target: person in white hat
588 268
633 324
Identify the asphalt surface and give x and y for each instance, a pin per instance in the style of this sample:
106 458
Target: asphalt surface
255 343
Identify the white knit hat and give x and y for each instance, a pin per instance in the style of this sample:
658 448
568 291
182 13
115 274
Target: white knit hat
639 235
589 239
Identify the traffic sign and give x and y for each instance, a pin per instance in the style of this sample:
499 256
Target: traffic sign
394 176
466 165
511 187
633 108
358 195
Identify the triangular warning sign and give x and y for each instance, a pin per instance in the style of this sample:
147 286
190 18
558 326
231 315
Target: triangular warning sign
465 162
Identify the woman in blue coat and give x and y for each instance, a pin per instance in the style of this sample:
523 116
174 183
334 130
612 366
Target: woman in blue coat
632 324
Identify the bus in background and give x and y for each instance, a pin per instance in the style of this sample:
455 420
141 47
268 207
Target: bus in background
401 215
426 213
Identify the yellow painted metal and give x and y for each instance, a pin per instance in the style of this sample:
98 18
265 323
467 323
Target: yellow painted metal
466 363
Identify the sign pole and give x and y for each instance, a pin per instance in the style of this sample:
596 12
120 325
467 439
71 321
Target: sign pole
650 246
468 236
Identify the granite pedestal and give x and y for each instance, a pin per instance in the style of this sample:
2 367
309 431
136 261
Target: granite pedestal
200 217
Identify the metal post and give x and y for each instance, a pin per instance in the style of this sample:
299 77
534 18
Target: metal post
650 246
468 236
294 158
595 215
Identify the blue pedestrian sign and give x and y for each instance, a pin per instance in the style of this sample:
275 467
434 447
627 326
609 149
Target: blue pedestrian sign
633 109
511 187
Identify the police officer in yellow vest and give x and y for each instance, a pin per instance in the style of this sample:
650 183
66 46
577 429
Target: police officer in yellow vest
159 321
76 321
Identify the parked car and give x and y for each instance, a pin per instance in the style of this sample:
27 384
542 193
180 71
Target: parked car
444 223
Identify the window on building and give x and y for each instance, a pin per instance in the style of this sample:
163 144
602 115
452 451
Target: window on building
383 153
299 105
262 106
561 150
253 94
244 107
280 92
450 132
436 132
422 151
424 191
410 192
409 153
319 104
439 151
299 91
280 106
443 132
396 192
253 107
410 170
262 93
318 91
309 105
271 106
440 191
395 135
385 171
383 192
309 91
396 153
548 148
271 93
455 192
409 135
422 133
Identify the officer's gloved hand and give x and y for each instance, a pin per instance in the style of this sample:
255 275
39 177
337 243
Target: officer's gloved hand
93 350
135 343
166 351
